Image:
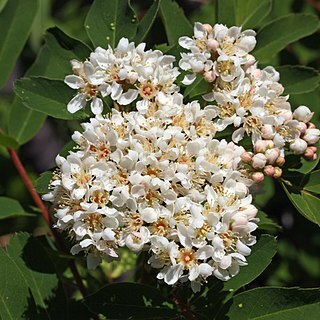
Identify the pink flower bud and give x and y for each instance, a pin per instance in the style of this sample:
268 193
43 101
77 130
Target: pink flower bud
257 177
280 161
302 127
309 153
303 114
269 171
209 76
272 155
267 131
208 27
298 146
277 172
246 157
260 146
311 125
212 44
313 148
259 160
312 136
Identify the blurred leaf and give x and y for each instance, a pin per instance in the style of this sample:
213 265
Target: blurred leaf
7 141
206 13
175 22
110 20
307 204
27 222
11 208
42 183
249 13
197 88
47 96
259 259
267 223
2 4
312 182
26 275
130 300
298 79
15 24
226 13
276 35
276 303
147 21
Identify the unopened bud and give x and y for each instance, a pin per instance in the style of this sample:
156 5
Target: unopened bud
269 144
209 76
272 155
277 172
302 127
311 125
280 161
212 44
257 177
251 60
267 131
309 153
298 146
303 114
246 157
287 115
314 149
269 171
208 27
132 76
312 136
259 160
260 146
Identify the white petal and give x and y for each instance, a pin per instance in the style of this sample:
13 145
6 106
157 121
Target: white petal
96 105
74 82
127 97
78 102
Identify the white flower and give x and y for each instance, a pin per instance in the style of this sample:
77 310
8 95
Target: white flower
303 114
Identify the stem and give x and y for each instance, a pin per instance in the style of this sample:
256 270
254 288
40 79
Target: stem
20 168
184 308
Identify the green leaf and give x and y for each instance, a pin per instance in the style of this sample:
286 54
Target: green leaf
197 88
7 141
266 193
27 278
312 182
298 79
130 300
175 22
15 24
249 13
2 4
275 304
47 96
147 21
110 20
266 223
11 208
260 257
277 34
307 204
226 13
43 182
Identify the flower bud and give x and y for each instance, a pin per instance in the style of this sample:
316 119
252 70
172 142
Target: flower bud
212 44
287 115
272 155
298 146
314 149
277 172
280 161
250 61
269 144
302 127
311 125
303 114
257 177
260 146
267 131
209 76
208 27
269 171
309 153
312 136
132 76
259 161
246 157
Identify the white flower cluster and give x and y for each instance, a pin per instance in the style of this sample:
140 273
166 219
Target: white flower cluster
156 179
124 74
245 96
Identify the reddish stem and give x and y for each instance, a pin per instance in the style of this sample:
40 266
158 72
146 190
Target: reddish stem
20 168
184 308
